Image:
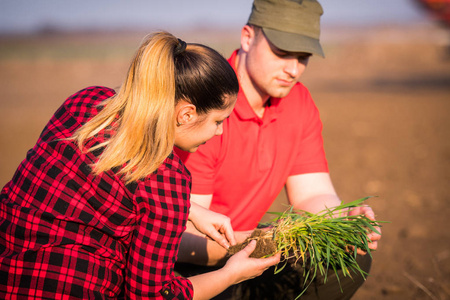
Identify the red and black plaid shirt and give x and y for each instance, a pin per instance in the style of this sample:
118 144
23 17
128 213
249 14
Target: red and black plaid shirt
65 233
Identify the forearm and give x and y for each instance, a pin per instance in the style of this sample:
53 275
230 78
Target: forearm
317 203
195 248
208 285
238 268
312 192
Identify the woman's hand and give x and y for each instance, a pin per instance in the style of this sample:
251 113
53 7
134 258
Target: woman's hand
244 267
373 236
238 268
214 225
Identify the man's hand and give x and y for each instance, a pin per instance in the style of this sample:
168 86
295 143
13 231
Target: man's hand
373 236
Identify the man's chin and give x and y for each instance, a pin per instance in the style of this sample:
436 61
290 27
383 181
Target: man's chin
281 92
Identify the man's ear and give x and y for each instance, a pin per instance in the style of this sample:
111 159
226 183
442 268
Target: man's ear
247 36
186 113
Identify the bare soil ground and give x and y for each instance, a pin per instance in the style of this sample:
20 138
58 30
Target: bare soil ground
384 97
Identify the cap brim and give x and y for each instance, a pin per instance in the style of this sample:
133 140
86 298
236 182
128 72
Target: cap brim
293 42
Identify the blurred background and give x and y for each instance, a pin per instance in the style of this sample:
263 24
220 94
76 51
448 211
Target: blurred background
383 91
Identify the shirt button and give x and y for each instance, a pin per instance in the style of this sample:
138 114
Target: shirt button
166 292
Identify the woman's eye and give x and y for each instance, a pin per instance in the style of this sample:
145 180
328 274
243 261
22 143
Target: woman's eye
219 122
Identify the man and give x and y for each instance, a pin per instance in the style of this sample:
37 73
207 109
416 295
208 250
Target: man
271 140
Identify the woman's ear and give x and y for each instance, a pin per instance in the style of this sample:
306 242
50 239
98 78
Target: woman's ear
186 113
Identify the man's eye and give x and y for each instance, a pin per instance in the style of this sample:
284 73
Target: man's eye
303 58
281 54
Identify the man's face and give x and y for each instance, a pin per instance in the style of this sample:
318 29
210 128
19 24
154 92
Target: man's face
272 71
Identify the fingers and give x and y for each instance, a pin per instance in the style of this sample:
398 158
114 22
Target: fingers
273 260
373 236
361 252
248 267
373 246
266 262
224 236
220 239
368 212
363 210
227 230
249 248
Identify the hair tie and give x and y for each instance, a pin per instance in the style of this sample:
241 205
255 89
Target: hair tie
180 47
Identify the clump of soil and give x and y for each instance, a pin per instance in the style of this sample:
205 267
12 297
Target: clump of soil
265 245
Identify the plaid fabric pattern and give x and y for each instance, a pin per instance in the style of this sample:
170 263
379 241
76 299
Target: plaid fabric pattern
66 234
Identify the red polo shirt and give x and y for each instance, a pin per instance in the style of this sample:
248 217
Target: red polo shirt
246 167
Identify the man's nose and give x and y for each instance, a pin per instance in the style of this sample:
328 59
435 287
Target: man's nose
293 67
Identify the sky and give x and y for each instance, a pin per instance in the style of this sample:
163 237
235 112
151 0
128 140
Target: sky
28 16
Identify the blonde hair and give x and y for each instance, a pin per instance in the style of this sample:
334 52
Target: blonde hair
142 113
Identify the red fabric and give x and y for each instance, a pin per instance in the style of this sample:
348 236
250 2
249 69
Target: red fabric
439 9
65 233
246 167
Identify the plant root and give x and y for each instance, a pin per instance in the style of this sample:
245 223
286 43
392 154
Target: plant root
265 245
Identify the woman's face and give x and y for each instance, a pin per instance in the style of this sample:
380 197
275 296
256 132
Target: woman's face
195 130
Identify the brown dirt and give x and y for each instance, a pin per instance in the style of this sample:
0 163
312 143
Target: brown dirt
265 245
384 98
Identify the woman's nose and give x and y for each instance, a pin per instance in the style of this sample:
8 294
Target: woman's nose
219 130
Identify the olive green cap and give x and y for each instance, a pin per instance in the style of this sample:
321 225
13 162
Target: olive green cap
291 25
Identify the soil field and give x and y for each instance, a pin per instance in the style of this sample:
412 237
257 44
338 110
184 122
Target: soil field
384 97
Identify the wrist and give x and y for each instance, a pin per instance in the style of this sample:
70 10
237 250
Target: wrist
193 212
229 275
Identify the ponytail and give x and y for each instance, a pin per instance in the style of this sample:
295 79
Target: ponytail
142 113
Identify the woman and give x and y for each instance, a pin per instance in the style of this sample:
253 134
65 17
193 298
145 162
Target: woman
97 208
